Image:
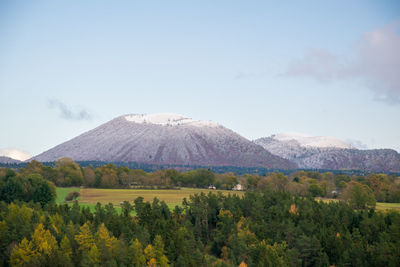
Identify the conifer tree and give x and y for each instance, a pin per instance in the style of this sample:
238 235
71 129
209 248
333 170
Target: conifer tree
137 256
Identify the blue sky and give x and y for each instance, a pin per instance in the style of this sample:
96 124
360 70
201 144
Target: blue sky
257 67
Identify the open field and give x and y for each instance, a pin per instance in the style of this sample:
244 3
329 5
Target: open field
62 192
379 205
90 196
171 197
387 206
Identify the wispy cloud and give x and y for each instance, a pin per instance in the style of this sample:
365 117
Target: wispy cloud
68 113
317 63
376 62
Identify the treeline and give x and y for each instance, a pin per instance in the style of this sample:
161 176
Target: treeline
25 187
69 173
259 229
371 187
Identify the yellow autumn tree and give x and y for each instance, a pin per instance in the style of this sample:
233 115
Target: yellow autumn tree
244 234
23 254
41 250
152 263
66 251
150 255
94 256
43 241
57 222
104 239
85 238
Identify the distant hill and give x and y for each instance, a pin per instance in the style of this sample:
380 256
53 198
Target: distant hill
7 160
165 139
329 153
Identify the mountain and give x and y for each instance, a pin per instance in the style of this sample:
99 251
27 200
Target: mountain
311 141
15 154
8 160
319 152
165 139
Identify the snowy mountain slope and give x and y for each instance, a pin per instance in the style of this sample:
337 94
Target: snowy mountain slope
331 157
311 141
168 119
165 139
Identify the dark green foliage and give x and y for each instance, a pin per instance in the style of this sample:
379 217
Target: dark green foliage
316 190
18 187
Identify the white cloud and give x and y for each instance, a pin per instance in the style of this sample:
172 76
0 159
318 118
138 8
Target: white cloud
375 61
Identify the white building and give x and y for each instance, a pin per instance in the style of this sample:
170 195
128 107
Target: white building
237 187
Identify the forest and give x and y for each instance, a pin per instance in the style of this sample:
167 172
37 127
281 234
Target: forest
278 221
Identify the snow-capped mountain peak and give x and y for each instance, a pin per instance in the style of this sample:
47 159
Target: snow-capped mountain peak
168 119
15 154
165 139
306 140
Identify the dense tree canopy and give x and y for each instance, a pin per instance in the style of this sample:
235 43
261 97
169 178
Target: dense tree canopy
259 229
276 223
26 187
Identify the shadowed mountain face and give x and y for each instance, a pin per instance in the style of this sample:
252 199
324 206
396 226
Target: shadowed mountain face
165 139
331 157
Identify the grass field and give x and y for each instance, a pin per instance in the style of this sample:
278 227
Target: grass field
171 197
387 206
62 192
90 196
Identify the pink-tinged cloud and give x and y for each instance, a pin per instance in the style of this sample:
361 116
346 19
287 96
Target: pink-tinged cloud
318 64
376 62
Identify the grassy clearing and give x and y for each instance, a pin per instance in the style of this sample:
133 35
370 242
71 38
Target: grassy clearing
387 206
91 196
327 200
115 196
62 192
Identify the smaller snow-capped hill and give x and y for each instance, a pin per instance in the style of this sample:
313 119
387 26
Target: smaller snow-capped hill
165 138
329 156
15 154
8 160
311 141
